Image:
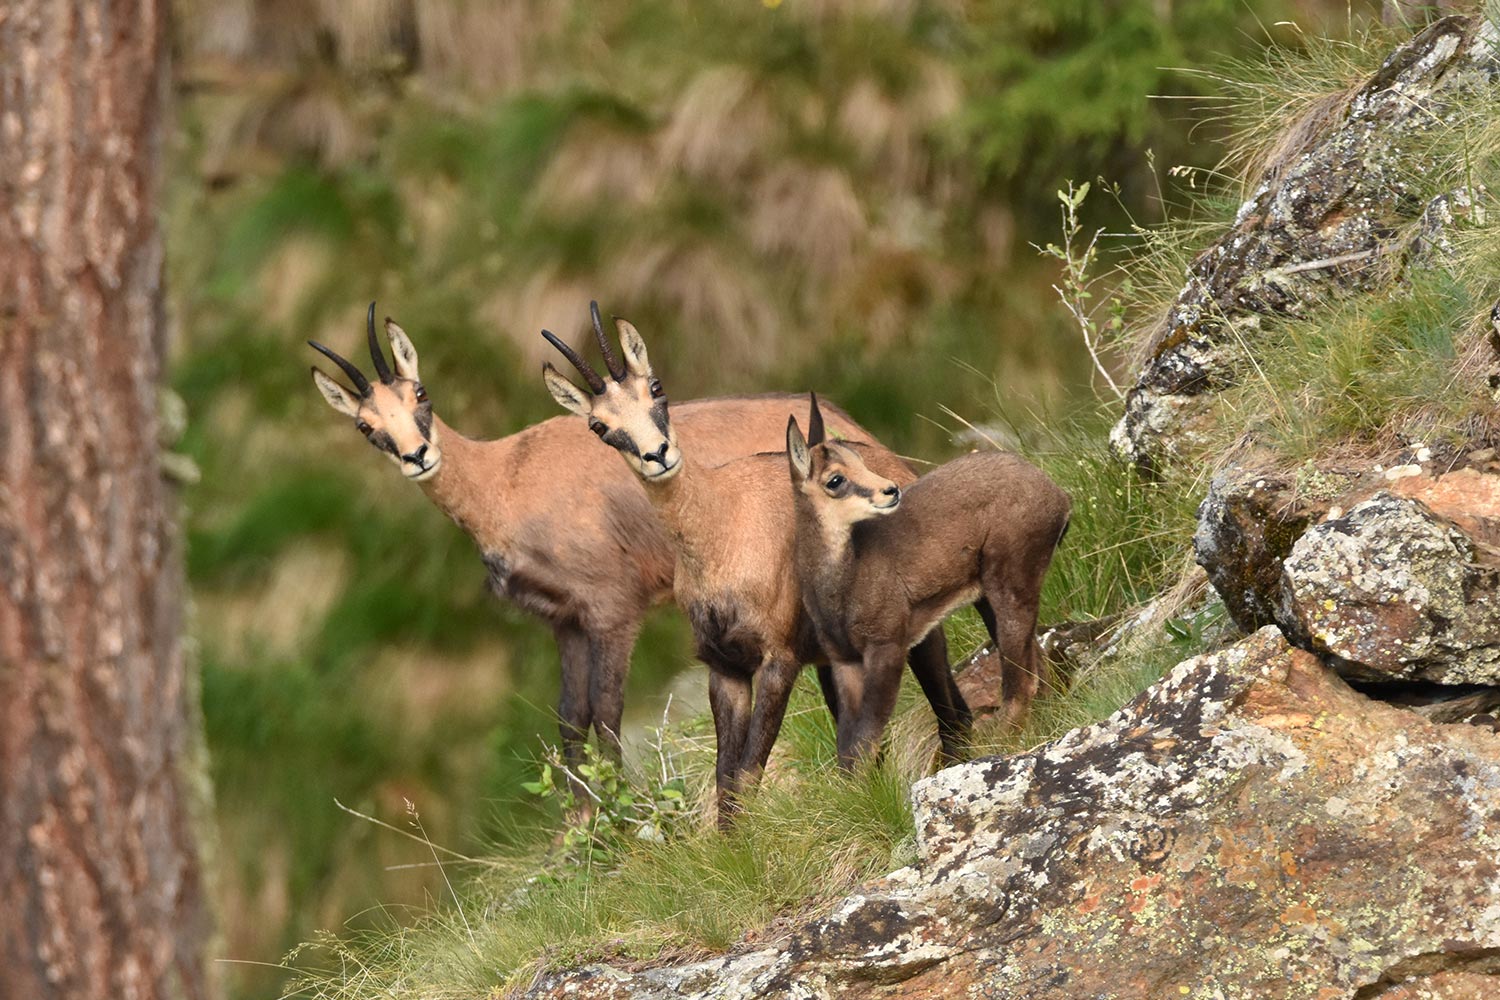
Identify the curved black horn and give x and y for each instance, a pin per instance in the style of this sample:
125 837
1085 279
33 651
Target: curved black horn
593 378
375 353
814 422
616 369
355 375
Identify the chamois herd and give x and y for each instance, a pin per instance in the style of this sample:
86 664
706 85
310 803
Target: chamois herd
782 548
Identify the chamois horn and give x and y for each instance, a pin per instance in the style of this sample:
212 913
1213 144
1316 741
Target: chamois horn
616 368
593 378
375 352
356 376
814 423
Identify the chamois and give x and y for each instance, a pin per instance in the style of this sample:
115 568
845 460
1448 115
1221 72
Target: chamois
733 527
880 568
568 539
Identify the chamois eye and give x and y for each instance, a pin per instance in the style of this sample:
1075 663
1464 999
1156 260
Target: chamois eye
364 428
657 392
835 481
421 393
598 428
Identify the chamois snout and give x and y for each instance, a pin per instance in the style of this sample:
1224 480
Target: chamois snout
662 462
889 498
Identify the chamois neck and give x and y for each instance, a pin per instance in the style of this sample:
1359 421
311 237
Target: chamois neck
459 488
676 501
825 552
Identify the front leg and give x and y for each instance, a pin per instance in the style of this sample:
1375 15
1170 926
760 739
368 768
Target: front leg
867 697
609 665
573 714
773 689
729 697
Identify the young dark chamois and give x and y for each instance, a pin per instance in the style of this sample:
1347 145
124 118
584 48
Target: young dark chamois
880 568
566 537
733 527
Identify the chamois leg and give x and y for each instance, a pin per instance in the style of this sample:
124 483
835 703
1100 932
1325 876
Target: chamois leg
573 713
867 696
830 690
609 662
988 614
928 660
1021 664
773 689
729 697
574 717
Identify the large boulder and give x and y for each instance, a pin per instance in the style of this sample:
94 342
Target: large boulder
1320 223
1248 827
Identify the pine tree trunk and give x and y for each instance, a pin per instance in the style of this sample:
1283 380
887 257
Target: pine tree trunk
101 887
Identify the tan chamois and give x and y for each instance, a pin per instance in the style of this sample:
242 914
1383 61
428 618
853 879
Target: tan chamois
566 537
733 526
881 568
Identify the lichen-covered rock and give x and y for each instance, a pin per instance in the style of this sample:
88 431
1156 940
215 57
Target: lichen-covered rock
1394 590
1320 222
1246 526
1248 827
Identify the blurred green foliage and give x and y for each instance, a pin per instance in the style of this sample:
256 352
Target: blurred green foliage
825 194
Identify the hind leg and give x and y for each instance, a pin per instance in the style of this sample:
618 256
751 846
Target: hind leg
928 661
1014 610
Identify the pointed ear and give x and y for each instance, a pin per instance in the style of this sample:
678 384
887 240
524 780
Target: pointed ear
338 397
796 451
815 422
568 395
402 350
634 347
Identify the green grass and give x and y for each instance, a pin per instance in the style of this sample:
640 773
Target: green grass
807 837
1363 376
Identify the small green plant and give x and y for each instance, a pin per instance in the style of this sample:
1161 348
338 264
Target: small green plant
1076 286
605 809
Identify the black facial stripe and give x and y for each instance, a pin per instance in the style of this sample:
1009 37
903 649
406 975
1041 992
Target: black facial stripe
423 420
621 441
659 416
861 491
382 440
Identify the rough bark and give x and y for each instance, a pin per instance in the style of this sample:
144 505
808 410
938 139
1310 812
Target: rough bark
100 879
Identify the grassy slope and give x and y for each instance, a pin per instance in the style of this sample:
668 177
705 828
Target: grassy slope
349 649
1346 377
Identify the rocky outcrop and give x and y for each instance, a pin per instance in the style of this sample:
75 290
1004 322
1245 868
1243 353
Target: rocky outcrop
1321 222
1247 525
1391 574
1403 587
1249 827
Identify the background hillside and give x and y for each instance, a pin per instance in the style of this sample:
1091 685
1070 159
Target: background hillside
780 195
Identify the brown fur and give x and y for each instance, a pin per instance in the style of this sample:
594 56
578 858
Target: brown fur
981 529
733 526
568 536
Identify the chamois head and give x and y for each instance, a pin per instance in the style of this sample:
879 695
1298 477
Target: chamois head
628 410
834 478
393 414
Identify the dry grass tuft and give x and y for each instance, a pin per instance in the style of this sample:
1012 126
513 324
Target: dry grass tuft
721 126
810 213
